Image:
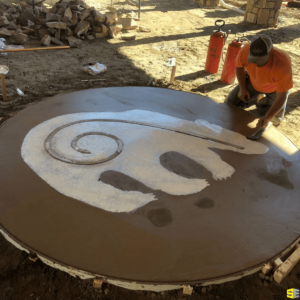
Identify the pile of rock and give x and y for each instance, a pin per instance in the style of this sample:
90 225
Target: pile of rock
68 21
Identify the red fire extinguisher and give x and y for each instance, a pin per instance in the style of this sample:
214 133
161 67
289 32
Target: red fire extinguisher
215 48
228 73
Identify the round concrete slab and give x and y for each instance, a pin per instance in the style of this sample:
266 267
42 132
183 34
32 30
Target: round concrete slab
230 226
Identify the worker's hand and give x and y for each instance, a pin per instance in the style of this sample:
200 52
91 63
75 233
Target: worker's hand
263 122
244 95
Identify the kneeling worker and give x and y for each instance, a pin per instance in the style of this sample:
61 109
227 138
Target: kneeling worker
262 69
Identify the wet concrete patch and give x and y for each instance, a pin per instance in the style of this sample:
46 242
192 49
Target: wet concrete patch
160 217
205 203
183 166
281 178
286 163
123 182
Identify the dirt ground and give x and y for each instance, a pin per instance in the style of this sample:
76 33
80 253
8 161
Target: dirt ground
180 29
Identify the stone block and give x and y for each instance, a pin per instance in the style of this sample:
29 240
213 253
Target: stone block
263 16
18 39
12 25
46 40
52 30
75 7
277 5
61 12
99 35
104 29
251 18
43 32
245 16
74 19
128 23
118 27
68 13
272 13
145 29
97 28
4 33
252 2
261 3
25 16
255 10
84 14
56 41
111 8
249 7
59 25
270 4
67 20
73 41
57 34
82 28
271 21
52 17
97 16
4 23
68 31
128 36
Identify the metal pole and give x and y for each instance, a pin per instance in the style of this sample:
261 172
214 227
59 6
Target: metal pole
33 4
139 9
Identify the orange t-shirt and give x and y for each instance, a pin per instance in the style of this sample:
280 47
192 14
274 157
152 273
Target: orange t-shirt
276 75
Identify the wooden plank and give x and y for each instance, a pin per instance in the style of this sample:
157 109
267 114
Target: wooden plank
287 266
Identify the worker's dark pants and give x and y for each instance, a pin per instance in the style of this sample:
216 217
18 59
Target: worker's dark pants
270 98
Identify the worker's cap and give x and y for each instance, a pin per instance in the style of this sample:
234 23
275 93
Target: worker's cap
260 49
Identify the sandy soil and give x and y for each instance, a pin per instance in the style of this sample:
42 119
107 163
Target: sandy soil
179 29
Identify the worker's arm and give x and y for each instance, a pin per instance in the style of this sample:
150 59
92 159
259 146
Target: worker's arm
274 110
241 76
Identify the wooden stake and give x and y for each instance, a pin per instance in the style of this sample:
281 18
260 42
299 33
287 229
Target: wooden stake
173 75
266 269
97 284
187 290
33 257
3 87
287 266
35 49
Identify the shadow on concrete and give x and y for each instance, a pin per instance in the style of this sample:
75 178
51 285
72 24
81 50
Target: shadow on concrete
208 87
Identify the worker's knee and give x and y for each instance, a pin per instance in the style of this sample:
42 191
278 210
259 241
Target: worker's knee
233 98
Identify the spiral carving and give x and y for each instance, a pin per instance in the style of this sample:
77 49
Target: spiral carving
53 153
119 142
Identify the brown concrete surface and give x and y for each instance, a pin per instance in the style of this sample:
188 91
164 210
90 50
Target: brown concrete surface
230 226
